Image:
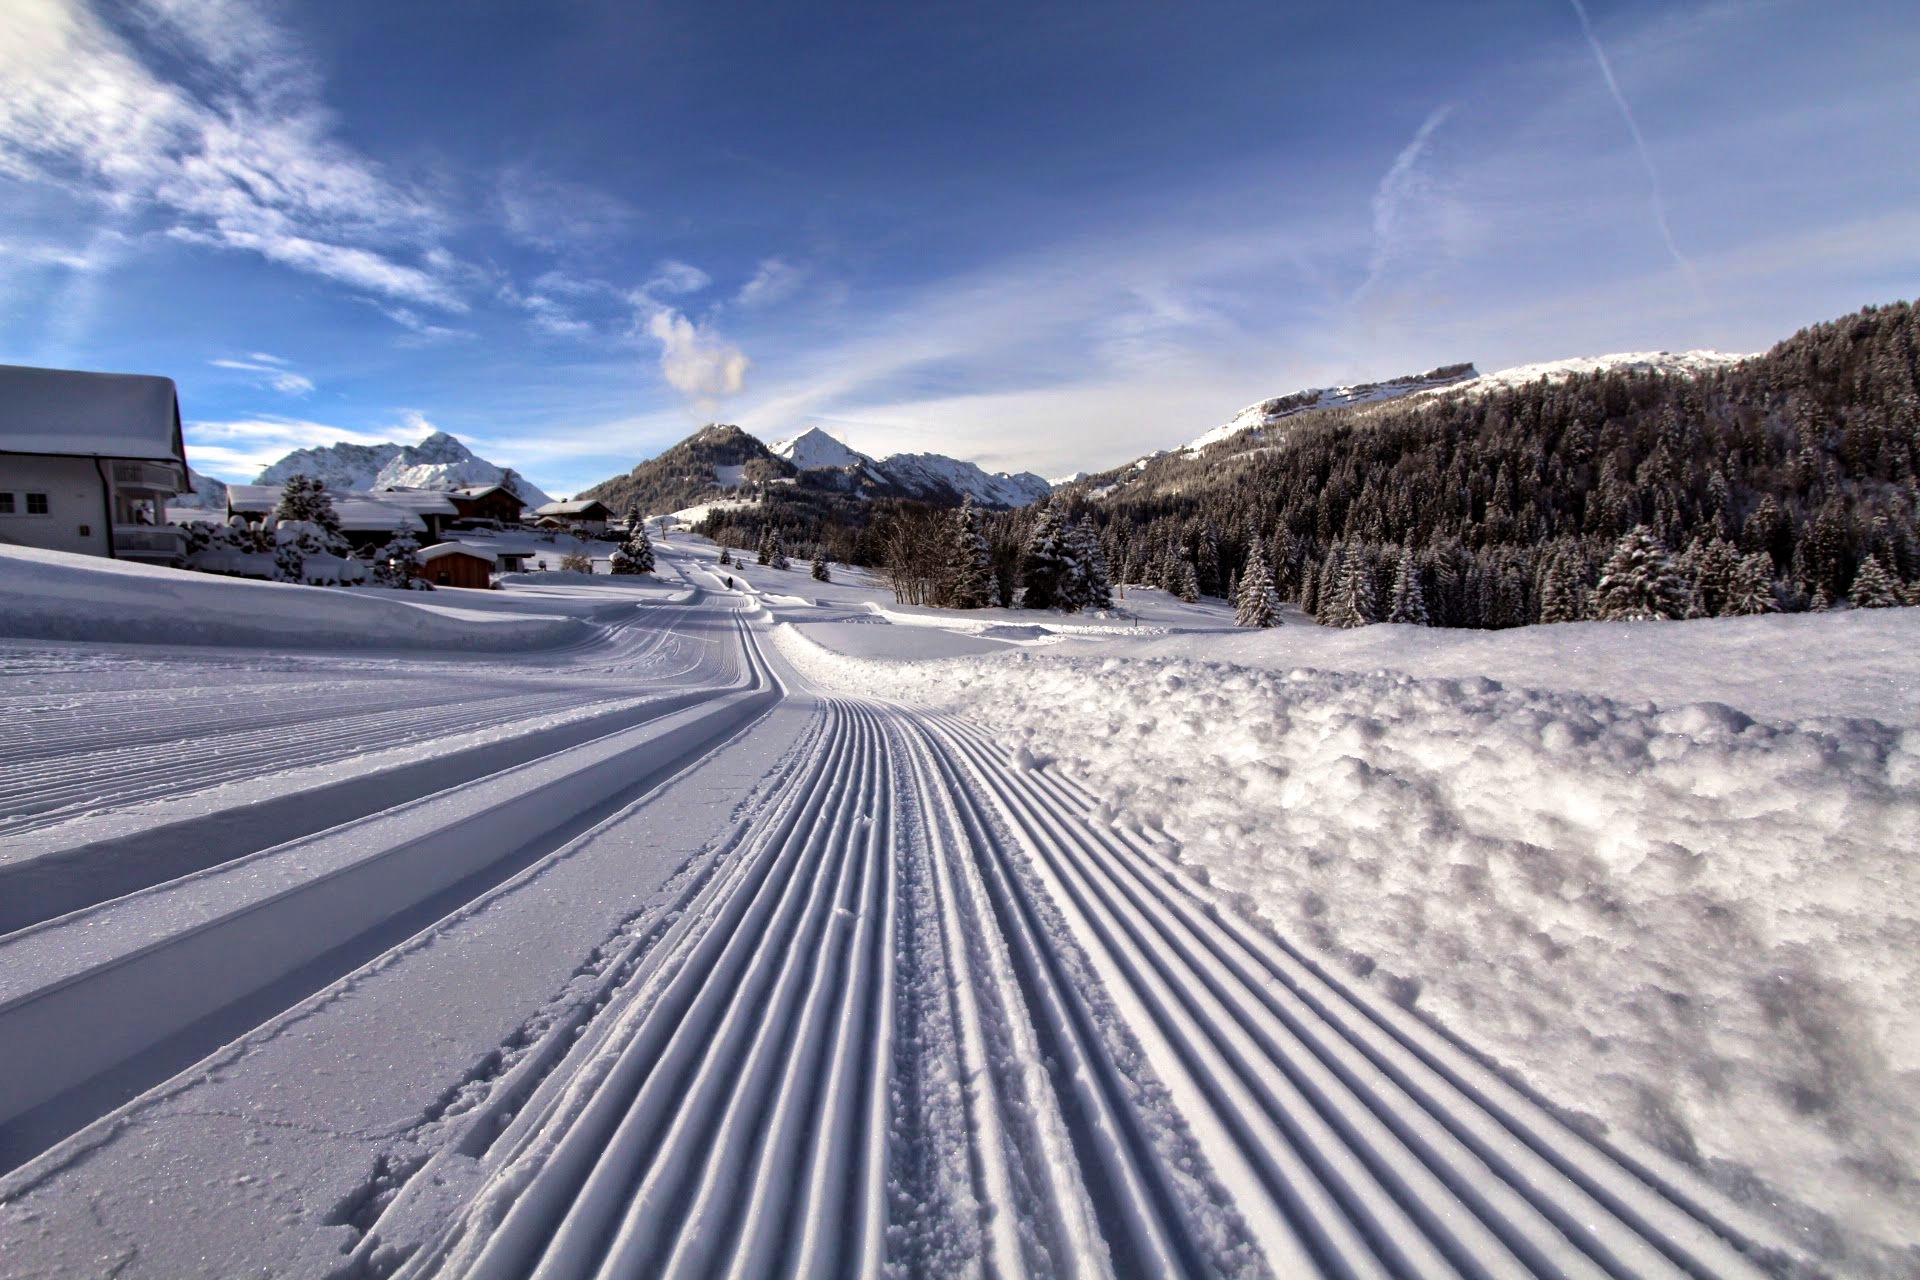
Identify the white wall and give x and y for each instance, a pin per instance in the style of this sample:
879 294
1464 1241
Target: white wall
74 501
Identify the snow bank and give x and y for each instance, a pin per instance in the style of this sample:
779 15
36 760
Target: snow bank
1688 927
52 595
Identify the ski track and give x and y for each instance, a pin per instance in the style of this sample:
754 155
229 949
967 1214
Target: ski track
78 760
1148 1085
927 1013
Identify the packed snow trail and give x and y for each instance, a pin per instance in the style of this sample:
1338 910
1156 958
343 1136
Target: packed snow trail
837 986
1115 1073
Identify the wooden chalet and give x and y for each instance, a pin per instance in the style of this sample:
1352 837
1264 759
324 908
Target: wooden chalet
488 502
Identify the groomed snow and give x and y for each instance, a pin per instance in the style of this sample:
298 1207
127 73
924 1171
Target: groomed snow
53 595
1687 925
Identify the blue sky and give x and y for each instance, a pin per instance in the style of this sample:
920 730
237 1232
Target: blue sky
1042 236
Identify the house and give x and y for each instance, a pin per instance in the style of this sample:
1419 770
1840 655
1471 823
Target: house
366 519
488 502
88 461
454 564
590 514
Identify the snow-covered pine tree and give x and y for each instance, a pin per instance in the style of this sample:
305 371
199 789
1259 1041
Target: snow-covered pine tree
397 565
1750 590
1409 604
1258 606
776 554
1354 604
1873 587
634 518
1045 563
969 575
766 545
819 570
1091 588
306 500
1638 583
635 555
726 557
1559 594
1187 585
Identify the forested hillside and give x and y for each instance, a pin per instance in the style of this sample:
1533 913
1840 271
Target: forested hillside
1788 481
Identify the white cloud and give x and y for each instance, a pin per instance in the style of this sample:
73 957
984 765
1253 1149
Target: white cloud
235 152
773 282
696 362
675 277
273 371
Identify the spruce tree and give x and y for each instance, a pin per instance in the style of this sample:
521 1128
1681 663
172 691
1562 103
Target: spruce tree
1045 563
1409 605
776 554
635 555
1187 586
1750 590
1559 594
820 566
1090 588
766 545
1639 583
969 570
726 557
306 500
1354 604
398 563
1257 605
1873 587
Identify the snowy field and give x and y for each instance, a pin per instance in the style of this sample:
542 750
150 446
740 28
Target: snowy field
591 928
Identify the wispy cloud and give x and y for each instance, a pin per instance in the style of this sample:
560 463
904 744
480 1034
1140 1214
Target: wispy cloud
232 149
1397 201
697 363
773 282
553 214
1656 192
273 372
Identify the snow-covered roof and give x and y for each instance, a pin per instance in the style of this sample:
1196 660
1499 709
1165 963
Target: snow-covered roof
358 512
577 507
441 550
106 415
482 490
426 502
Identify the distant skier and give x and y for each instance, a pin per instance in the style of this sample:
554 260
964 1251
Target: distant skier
729 583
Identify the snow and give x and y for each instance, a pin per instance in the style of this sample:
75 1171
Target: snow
53 595
1268 413
1682 363
931 474
113 415
729 477
1008 940
815 448
1697 927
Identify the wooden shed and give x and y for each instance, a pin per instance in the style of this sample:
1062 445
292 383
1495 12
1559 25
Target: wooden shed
451 564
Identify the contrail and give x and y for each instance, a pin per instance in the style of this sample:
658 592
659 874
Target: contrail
1646 156
1397 188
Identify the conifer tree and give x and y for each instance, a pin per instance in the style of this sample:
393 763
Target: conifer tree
1409 605
1257 605
1087 576
1751 588
1559 594
776 554
726 557
1187 584
969 561
1045 563
635 555
1873 588
306 500
820 566
766 545
398 563
1354 604
1638 583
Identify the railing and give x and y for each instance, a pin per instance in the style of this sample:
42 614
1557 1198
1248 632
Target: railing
146 540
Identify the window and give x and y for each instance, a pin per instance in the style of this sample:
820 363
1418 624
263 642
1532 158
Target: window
6 504
36 504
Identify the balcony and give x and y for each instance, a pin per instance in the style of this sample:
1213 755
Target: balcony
146 542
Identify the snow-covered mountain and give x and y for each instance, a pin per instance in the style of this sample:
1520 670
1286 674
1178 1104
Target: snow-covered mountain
1688 363
437 462
814 448
208 494
932 476
1259 417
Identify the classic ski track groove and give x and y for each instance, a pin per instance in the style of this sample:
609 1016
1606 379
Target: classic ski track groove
739 1127
1147 1082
